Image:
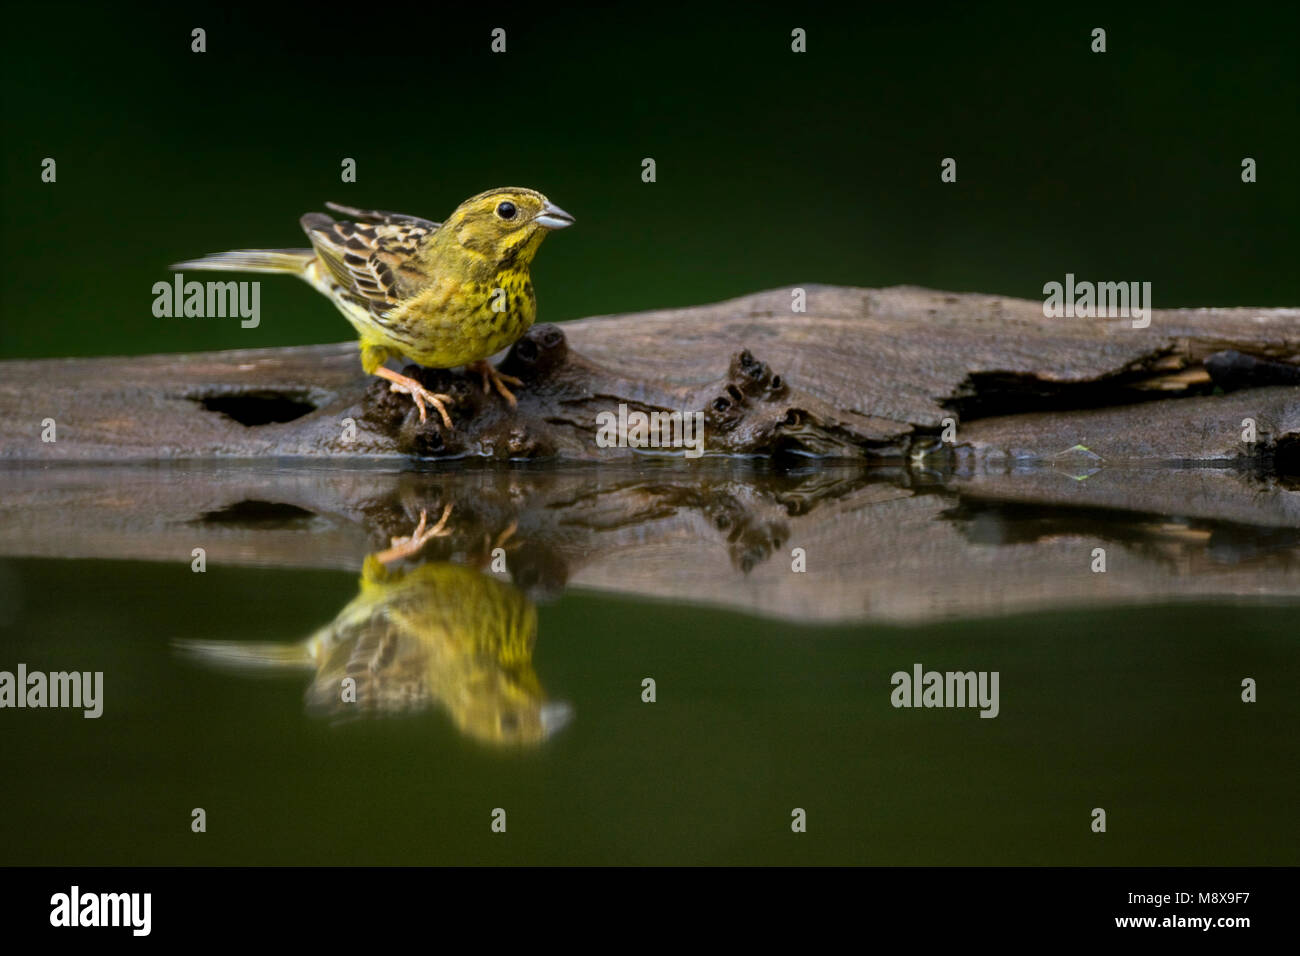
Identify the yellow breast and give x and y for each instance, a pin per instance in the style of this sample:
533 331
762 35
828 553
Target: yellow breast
448 325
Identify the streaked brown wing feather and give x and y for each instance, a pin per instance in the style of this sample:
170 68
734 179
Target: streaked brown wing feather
381 216
373 260
388 664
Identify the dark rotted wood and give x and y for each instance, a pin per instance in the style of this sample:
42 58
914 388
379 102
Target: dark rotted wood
862 373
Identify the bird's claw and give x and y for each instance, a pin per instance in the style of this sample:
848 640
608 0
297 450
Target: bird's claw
495 379
409 545
419 394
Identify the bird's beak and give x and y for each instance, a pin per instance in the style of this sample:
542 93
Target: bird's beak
553 217
555 716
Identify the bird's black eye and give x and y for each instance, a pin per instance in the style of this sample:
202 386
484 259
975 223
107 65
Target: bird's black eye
506 210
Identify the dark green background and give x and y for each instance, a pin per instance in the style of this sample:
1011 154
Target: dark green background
773 168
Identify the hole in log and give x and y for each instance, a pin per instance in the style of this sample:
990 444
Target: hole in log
262 515
1286 457
1231 370
988 394
1178 539
259 408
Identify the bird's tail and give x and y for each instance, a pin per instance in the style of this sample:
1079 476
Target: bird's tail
291 261
248 656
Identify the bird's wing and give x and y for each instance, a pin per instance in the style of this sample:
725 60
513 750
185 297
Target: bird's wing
388 664
374 260
381 216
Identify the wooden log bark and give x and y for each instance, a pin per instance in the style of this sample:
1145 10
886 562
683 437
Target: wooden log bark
862 374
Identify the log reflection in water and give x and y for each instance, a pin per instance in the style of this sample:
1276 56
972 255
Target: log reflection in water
888 545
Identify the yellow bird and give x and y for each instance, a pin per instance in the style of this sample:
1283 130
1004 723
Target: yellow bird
440 634
440 294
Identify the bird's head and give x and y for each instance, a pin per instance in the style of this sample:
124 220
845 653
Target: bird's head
504 226
506 707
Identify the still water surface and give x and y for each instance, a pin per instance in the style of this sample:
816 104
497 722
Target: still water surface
522 689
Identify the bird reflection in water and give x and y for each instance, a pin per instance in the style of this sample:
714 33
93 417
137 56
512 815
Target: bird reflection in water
440 634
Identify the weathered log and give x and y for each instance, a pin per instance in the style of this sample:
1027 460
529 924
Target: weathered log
863 374
884 544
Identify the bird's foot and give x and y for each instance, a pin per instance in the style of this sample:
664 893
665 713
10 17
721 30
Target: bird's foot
494 379
506 535
409 545
419 394
490 545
